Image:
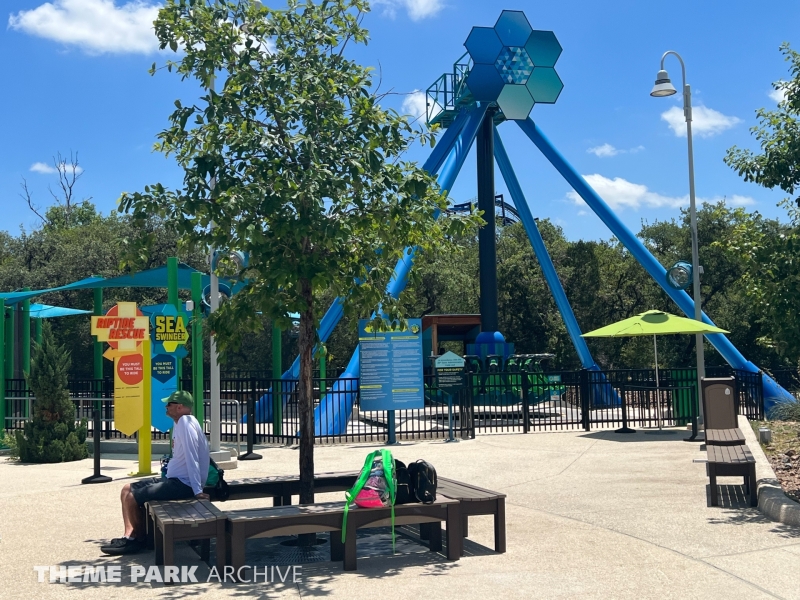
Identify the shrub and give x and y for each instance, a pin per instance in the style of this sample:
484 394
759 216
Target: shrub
51 435
785 411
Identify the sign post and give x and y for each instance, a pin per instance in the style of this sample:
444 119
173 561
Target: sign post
451 379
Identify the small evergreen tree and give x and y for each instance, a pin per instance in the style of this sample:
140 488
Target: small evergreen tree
51 436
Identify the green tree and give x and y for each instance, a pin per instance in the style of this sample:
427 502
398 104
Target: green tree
292 159
778 133
769 249
771 278
51 436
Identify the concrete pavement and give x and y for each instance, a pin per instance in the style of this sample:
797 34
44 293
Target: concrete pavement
589 515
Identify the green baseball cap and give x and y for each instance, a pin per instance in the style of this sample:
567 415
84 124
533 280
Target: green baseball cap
180 397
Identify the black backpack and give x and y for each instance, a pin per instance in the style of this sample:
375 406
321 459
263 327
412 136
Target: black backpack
423 481
404 494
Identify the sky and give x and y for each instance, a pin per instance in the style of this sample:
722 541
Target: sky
77 82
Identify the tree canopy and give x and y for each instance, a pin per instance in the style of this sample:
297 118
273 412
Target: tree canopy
290 158
778 133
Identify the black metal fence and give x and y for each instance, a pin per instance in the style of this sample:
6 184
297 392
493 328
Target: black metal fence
266 411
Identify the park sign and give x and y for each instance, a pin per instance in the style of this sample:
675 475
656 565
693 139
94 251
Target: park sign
169 330
390 367
169 335
450 376
124 327
126 330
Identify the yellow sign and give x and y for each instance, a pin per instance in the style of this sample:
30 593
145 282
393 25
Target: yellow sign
123 327
127 332
170 331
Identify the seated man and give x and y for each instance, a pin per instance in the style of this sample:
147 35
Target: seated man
187 472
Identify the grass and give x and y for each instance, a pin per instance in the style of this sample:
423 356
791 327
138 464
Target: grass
785 436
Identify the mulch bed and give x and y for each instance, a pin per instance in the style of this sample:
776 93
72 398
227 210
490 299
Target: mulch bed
784 454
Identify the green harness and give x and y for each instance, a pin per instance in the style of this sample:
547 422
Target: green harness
391 485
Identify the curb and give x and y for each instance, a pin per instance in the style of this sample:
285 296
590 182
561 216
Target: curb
772 502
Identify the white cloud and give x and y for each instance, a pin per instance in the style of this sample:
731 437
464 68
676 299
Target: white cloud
40 167
606 150
706 122
620 194
95 26
417 9
603 151
736 200
778 95
414 105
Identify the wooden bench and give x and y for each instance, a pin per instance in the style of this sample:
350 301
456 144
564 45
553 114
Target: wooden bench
281 488
724 437
477 501
327 517
176 520
733 461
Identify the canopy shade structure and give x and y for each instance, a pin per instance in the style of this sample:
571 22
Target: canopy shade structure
152 278
654 322
45 311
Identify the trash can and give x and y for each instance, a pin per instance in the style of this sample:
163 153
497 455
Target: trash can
684 399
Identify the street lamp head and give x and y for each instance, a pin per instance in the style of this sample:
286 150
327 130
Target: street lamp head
663 86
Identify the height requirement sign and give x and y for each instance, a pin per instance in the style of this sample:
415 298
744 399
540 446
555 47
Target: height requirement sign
125 328
390 375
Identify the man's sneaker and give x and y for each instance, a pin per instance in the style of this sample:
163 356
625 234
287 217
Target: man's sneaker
114 542
125 546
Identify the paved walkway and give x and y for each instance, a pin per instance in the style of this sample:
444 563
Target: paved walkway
589 515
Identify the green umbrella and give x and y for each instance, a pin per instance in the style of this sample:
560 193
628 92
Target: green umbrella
654 322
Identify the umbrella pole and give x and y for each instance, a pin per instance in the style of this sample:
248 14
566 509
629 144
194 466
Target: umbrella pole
658 392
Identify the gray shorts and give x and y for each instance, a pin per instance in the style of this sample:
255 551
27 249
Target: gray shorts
155 488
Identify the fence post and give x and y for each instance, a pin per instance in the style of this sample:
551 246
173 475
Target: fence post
585 399
526 406
251 423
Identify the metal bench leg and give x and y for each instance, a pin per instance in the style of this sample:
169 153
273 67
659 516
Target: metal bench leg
424 531
455 536
337 546
350 559
753 486
465 526
435 540
500 526
712 478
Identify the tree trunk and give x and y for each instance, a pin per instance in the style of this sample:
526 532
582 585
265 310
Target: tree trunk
306 404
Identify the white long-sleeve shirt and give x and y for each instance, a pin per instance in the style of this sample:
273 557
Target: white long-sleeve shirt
190 459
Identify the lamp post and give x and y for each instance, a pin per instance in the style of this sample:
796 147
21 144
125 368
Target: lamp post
663 87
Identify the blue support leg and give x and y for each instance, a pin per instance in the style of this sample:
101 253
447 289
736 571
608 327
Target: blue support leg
605 395
773 393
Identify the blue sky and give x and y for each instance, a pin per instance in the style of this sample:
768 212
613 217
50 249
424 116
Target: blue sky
76 80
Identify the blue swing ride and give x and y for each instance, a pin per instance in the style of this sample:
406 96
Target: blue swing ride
506 71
